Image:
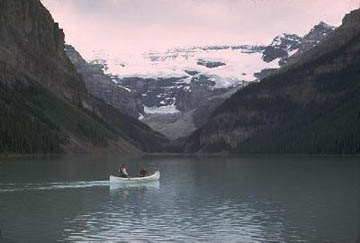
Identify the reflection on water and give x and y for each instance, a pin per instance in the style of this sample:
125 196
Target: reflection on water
115 219
121 220
137 211
123 191
221 199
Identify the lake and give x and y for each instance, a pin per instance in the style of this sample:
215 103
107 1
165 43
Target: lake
249 198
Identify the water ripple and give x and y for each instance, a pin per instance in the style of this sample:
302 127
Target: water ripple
197 200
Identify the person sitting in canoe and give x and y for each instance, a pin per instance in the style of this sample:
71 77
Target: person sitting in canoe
123 172
143 172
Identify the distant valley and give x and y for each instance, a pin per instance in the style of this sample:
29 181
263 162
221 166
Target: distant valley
175 92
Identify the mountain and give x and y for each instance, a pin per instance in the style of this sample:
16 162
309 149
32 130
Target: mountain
282 47
311 105
178 89
45 106
152 100
286 46
103 87
174 104
220 63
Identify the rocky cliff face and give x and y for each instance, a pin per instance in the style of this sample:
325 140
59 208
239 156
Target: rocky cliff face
103 87
31 41
174 107
311 105
44 104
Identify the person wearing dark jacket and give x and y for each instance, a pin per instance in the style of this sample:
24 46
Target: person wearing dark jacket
143 172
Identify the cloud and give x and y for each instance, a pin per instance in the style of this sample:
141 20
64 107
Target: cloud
129 25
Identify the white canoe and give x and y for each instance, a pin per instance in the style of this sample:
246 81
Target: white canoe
153 177
152 185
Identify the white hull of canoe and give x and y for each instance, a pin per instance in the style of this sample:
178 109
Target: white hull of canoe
117 180
151 185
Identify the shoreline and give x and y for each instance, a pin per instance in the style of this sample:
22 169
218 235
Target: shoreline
11 156
252 154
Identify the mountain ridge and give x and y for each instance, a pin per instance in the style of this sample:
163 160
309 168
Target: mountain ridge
308 106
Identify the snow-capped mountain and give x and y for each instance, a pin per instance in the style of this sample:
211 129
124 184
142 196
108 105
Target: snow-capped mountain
180 87
285 46
225 65
181 79
282 47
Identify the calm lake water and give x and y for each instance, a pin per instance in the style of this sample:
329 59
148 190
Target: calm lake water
218 199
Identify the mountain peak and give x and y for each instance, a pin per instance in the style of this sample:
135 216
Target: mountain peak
285 39
281 47
319 32
325 25
286 45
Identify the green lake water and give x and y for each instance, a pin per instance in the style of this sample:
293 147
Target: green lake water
246 198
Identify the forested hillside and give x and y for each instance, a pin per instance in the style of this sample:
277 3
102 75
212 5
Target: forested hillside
312 105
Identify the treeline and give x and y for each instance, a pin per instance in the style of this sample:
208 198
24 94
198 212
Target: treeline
331 126
335 132
32 121
23 134
24 129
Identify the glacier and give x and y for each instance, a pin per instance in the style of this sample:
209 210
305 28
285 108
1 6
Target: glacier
241 64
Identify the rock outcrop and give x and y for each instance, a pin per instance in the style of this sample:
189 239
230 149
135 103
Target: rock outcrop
31 42
103 86
210 64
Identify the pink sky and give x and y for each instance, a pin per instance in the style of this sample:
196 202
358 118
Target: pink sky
140 25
